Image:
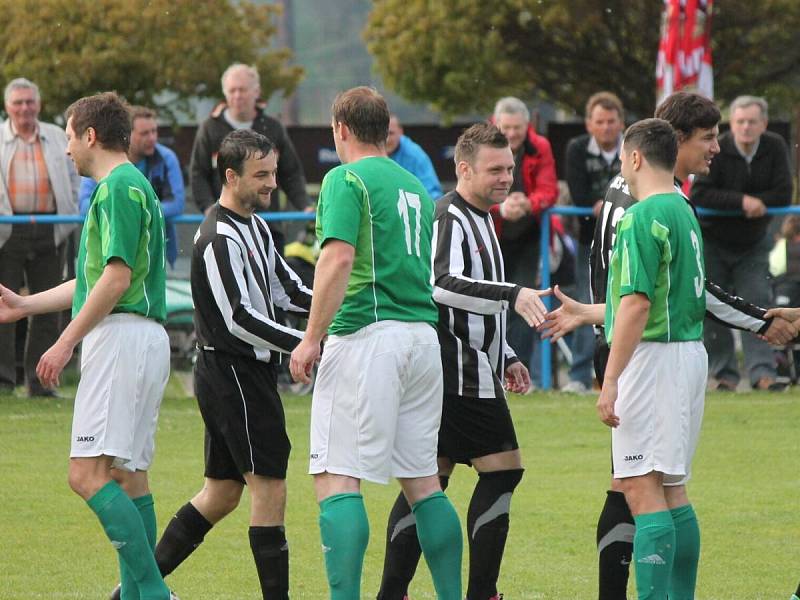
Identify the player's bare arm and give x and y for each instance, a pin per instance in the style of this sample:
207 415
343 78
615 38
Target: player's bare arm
330 283
569 316
629 324
112 284
14 307
530 307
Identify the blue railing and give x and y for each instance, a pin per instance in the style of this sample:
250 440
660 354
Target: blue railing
544 252
195 218
546 356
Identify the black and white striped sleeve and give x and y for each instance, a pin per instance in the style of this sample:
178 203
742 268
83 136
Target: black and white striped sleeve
734 312
511 356
451 287
287 288
225 268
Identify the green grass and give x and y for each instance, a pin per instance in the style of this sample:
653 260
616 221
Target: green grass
746 487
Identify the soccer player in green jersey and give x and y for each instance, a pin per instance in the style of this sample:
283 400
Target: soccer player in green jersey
655 306
377 400
118 301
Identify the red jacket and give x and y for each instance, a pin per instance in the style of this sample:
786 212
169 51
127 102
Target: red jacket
539 179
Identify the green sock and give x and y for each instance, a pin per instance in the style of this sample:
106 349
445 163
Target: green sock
147 510
125 529
344 529
683 580
439 534
653 554
146 507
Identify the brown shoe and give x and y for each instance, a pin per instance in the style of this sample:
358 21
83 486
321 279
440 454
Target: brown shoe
770 385
724 385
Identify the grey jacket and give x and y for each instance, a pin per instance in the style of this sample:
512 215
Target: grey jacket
64 178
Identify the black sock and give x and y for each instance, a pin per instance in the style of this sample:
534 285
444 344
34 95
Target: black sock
271 553
487 529
182 536
615 529
402 549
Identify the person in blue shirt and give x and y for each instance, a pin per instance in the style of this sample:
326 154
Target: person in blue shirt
410 155
161 167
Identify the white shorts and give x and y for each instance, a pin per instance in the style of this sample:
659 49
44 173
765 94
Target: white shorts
377 403
124 370
660 406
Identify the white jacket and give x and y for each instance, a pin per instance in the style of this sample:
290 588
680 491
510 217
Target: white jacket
64 179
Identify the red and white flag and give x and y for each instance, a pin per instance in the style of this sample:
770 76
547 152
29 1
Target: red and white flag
684 52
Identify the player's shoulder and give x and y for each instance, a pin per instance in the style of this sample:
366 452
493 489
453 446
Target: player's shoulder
667 209
332 178
218 229
447 206
126 181
618 194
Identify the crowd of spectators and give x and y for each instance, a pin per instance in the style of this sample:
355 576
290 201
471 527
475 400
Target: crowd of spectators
751 173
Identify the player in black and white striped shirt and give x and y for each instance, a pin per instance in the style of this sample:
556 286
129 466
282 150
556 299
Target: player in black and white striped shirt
237 281
472 297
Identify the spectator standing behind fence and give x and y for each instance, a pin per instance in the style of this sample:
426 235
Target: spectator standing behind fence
410 155
242 88
592 161
161 167
750 174
516 220
784 263
38 178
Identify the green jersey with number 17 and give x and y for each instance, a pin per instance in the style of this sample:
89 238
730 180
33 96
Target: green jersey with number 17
384 212
658 252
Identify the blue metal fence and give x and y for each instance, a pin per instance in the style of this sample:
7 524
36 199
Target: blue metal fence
195 218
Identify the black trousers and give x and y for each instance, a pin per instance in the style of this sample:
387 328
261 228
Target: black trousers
31 259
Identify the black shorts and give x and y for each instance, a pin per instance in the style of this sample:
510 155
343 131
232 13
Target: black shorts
245 425
475 427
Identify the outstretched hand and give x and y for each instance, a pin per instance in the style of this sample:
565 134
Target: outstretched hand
530 307
787 314
781 331
11 306
563 320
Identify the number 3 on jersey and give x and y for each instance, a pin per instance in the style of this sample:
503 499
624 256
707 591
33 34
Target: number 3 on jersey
405 201
700 279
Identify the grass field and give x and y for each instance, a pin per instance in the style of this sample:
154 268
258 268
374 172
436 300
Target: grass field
746 490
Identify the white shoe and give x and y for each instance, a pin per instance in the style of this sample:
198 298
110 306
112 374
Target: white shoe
575 387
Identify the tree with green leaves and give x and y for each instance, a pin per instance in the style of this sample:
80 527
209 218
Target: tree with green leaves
461 55
173 50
